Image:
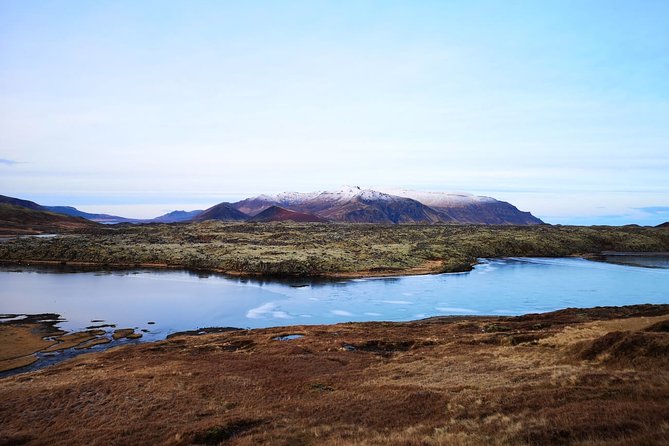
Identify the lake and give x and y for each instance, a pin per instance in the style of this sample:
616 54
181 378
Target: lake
177 300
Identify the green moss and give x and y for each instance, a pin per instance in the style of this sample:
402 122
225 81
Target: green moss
316 249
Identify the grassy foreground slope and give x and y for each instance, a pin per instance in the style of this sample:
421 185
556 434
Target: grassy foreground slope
324 249
578 376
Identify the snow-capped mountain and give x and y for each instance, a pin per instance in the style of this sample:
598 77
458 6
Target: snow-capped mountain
348 204
472 209
353 204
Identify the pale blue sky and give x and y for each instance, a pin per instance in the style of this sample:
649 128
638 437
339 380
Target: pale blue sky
138 107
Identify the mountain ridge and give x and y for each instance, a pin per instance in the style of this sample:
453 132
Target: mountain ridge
357 205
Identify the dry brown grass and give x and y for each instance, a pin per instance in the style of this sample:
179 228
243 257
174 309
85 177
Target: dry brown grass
448 381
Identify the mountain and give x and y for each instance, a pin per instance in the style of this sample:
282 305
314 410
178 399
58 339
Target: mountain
16 220
663 225
177 216
368 206
276 213
222 211
472 209
98 218
353 204
350 204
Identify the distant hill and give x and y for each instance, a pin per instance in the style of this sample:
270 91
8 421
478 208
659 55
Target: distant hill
67 210
222 211
18 202
663 225
17 220
352 204
99 218
170 217
276 213
177 216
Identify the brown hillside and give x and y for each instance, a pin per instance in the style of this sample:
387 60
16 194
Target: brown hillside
276 213
17 220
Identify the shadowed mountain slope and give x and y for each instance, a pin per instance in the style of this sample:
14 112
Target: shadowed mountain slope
177 216
276 213
222 211
473 209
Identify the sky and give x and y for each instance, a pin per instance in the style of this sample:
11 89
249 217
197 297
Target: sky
142 107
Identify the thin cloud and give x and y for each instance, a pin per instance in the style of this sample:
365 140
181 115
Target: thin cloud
8 162
655 209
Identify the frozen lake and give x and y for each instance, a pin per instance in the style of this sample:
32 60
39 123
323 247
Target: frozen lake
179 300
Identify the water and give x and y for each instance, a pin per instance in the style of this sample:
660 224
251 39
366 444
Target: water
163 302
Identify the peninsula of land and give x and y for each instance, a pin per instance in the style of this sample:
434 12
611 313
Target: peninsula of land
320 249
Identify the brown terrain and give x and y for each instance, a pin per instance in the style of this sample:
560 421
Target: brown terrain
277 213
222 211
576 376
20 220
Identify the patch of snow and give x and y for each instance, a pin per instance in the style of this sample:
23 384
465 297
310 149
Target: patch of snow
369 194
348 193
265 197
441 199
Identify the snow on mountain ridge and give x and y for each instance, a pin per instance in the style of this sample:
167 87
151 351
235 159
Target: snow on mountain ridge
345 193
441 199
348 193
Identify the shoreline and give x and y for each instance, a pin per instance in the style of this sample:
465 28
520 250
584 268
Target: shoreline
429 267
39 334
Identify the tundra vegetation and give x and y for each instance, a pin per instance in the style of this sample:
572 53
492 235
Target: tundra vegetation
577 376
315 249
